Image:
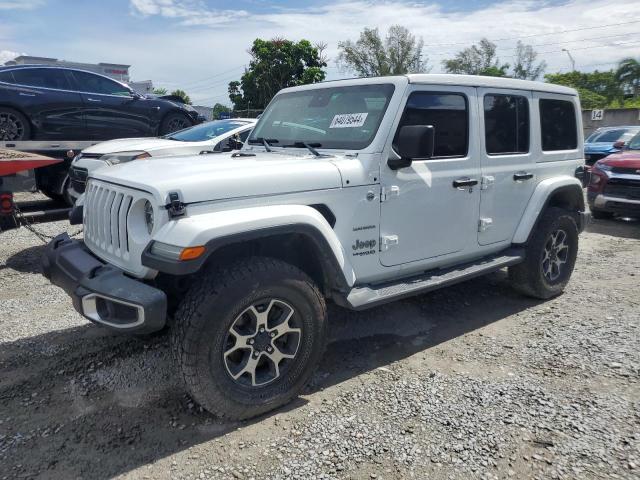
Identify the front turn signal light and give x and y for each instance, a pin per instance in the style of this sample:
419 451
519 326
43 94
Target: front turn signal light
191 253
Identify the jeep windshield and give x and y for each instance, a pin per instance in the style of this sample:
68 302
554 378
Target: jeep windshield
335 117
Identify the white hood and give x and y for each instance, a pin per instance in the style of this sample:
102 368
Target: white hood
150 145
220 176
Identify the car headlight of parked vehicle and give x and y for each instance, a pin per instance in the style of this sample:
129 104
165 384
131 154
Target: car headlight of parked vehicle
603 167
148 216
123 157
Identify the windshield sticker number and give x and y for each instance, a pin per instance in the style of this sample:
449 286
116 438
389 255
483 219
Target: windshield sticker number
348 120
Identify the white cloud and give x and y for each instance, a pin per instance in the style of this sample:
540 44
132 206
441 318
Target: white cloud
6 55
203 60
20 4
187 12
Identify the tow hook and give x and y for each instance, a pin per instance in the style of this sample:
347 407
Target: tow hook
175 207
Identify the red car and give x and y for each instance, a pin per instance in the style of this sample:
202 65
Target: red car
614 188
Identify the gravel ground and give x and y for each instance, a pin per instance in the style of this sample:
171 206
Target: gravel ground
473 381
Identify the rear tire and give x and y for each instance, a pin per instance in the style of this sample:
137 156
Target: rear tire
248 336
14 126
174 122
550 256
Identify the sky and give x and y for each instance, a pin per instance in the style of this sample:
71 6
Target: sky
201 45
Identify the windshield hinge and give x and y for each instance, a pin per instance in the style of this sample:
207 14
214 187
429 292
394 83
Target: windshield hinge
388 192
175 207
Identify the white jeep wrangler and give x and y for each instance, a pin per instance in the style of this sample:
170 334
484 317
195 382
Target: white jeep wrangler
358 192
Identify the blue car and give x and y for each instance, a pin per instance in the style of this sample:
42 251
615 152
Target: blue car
601 142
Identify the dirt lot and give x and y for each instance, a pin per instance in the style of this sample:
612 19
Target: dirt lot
470 382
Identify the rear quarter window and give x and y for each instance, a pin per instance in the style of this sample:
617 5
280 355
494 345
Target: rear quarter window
558 126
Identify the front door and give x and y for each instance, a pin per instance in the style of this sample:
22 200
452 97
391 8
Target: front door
111 111
508 164
430 209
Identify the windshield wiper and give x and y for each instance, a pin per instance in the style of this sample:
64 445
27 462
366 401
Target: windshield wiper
264 141
308 146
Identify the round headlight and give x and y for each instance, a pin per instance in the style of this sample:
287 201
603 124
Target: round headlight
148 216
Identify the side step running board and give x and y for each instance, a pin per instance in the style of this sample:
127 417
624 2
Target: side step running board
370 296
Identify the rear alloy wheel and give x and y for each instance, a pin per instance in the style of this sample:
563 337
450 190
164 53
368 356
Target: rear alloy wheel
550 256
13 126
174 122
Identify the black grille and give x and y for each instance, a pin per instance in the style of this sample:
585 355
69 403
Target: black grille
78 178
626 170
623 188
91 155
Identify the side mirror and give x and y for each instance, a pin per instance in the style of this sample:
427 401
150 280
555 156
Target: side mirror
620 144
414 142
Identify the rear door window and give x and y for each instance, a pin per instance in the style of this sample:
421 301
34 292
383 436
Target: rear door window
506 124
448 113
558 125
42 77
90 83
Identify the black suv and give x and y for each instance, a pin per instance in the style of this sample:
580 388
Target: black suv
39 102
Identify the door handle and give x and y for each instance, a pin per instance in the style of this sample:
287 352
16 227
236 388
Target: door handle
464 182
520 176
93 100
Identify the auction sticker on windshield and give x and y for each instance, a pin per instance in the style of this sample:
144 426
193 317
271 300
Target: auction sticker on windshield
348 120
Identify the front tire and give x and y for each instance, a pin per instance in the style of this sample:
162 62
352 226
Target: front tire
174 122
550 256
247 337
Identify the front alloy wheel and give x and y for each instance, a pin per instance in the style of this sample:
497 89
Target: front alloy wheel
262 342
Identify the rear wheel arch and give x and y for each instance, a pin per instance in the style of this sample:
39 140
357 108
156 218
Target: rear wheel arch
569 197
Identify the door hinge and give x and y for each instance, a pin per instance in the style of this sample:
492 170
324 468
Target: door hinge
389 241
485 224
487 181
388 192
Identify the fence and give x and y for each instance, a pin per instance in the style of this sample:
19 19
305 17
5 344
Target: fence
593 119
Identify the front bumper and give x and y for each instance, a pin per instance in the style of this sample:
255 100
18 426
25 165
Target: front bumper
621 206
103 293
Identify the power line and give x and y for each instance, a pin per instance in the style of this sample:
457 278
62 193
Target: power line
540 34
213 76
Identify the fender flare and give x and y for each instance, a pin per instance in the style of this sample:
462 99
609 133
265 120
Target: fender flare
218 229
540 200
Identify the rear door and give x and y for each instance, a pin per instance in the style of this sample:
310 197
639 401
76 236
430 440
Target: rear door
111 111
507 162
425 212
45 95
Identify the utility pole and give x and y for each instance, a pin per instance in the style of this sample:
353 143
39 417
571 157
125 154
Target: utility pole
573 62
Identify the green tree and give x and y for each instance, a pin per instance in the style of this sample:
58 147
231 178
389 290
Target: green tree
160 91
480 59
525 66
276 64
183 95
628 76
370 56
219 109
597 89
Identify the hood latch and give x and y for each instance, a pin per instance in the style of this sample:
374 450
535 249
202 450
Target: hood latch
175 207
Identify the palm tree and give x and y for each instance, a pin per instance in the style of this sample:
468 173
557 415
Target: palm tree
628 76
